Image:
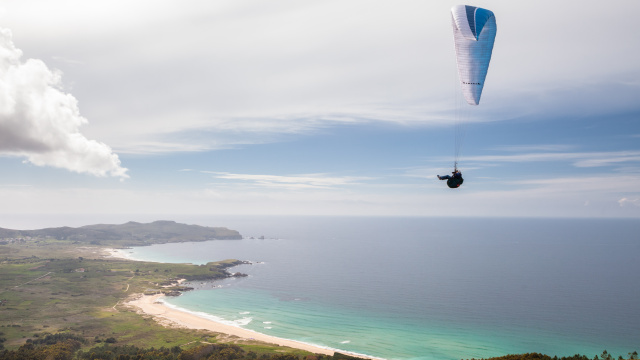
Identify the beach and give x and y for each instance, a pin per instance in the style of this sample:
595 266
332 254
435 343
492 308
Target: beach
114 253
151 305
168 316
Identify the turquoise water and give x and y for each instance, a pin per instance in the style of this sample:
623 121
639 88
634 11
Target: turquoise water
414 288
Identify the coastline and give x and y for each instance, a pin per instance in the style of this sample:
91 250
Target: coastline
168 316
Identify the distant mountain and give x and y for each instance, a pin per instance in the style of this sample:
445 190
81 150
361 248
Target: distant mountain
129 234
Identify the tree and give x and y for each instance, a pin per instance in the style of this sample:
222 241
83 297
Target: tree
606 356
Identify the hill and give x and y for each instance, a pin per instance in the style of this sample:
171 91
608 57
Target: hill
128 234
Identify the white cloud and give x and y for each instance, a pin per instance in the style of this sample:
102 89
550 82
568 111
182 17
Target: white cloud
68 61
579 159
539 147
610 159
586 185
14 185
41 123
625 201
294 182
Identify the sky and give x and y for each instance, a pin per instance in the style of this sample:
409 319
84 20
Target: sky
128 110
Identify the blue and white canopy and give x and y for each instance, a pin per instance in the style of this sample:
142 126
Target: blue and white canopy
474 31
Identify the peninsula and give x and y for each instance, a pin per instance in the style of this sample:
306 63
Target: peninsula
128 234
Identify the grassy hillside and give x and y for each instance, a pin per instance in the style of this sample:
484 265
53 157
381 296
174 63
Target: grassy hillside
85 296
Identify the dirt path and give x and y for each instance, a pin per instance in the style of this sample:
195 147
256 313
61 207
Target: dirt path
38 278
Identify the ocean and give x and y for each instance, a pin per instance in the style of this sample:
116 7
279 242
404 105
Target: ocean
424 288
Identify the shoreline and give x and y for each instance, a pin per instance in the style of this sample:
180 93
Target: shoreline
168 316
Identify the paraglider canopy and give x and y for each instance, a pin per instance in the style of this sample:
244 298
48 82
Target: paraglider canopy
474 32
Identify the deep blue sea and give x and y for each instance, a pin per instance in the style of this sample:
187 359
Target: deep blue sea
425 288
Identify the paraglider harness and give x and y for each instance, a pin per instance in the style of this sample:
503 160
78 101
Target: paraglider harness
456 180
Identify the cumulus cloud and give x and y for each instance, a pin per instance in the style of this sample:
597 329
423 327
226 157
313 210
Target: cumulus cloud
41 123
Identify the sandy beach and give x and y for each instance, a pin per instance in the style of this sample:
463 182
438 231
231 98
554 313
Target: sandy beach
115 253
150 305
167 316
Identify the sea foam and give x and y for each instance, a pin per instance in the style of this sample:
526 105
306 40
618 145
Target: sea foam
237 323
